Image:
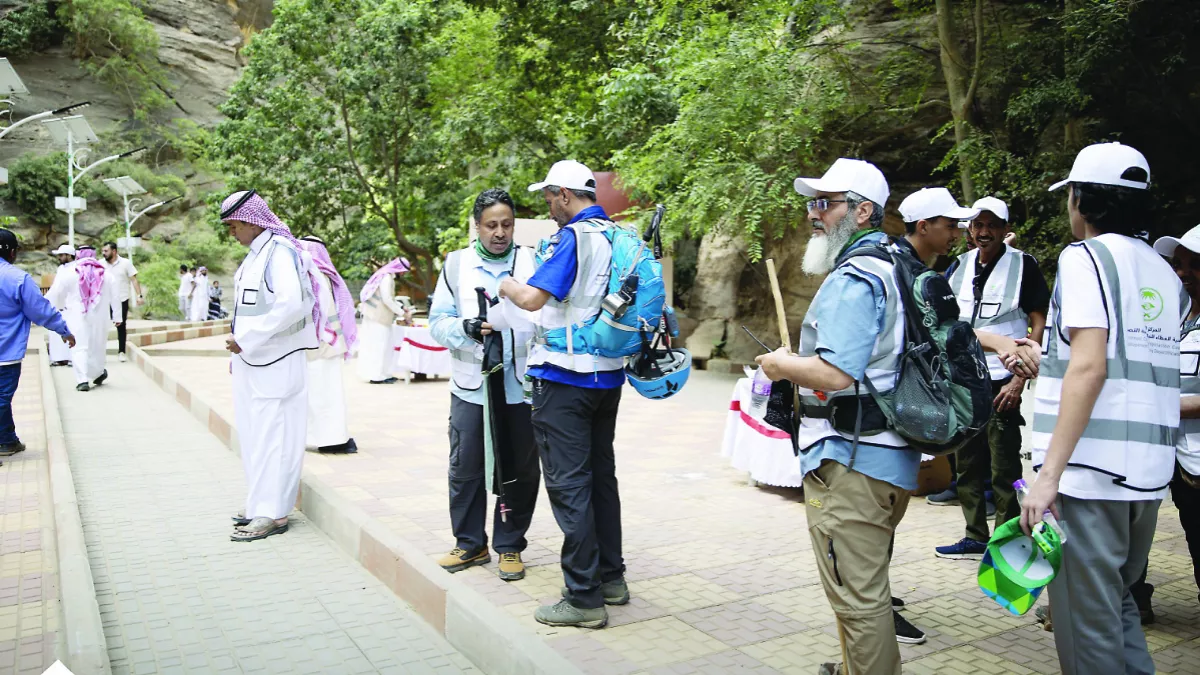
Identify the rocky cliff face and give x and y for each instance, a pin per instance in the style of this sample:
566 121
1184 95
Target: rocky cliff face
200 45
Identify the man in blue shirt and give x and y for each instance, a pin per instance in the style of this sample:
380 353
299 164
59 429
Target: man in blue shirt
21 302
575 399
856 492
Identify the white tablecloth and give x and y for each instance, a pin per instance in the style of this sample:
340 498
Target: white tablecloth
754 446
416 352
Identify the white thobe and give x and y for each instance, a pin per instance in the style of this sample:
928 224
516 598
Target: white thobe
270 402
90 328
59 351
376 353
198 310
326 391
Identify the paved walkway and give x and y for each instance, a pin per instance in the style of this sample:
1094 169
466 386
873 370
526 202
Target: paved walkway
156 491
29 609
722 574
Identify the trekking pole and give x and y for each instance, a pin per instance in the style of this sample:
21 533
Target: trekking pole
784 335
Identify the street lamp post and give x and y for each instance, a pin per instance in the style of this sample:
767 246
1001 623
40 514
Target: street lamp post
128 187
75 130
11 85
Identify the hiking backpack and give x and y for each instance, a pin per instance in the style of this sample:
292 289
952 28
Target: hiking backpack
633 308
943 393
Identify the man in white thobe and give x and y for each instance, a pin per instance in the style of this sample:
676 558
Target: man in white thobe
89 305
338 336
273 326
199 307
185 290
60 353
380 311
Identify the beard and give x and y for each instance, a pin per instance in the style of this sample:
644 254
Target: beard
822 251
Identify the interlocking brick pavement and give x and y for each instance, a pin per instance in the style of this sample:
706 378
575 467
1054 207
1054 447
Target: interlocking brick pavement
29 606
156 490
722 575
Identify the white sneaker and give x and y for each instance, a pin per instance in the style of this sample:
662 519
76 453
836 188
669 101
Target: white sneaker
121 357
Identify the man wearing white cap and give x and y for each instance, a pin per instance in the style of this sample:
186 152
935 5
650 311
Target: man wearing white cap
1107 410
60 353
1001 292
575 398
856 494
931 217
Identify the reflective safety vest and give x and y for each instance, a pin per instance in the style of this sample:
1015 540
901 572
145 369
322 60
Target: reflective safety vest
256 298
883 367
581 305
462 278
1188 446
1135 423
998 308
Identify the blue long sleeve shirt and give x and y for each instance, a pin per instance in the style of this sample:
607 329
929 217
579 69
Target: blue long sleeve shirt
21 303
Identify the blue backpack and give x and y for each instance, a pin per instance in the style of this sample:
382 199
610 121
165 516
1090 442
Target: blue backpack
634 304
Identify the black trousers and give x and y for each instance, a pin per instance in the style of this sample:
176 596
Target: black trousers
121 329
574 429
468 490
1187 500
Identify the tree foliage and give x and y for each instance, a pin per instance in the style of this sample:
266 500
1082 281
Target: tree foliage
26 30
120 48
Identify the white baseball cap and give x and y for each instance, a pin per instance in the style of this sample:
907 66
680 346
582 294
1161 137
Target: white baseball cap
929 203
568 174
994 205
848 175
1190 240
63 250
1105 164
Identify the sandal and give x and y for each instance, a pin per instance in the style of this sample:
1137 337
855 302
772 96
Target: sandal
240 520
259 528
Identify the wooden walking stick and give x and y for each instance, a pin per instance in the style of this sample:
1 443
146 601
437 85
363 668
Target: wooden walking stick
784 335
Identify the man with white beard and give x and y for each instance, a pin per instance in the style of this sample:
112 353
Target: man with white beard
856 485
90 306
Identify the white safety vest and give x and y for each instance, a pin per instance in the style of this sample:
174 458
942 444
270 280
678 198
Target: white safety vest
1187 449
461 278
1135 422
883 367
998 309
581 305
255 298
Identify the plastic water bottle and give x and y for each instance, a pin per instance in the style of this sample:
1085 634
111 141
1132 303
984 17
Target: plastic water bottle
760 393
1022 489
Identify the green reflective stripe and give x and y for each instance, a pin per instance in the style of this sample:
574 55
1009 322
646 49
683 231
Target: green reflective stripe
293 329
466 357
960 275
1114 284
1189 385
1114 430
257 309
1133 371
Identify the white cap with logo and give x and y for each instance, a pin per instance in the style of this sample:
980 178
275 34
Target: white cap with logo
1166 246
63 250
929 203
568 174
848 175
1106 164
994 205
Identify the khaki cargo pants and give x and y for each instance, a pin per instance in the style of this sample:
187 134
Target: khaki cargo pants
851 519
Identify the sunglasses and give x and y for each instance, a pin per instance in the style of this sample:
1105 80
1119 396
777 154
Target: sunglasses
822 204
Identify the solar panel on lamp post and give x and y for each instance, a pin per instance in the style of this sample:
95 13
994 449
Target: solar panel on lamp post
71 131
11 86
126 187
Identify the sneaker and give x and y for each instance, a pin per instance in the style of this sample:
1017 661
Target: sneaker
947 497
1043 616
906 633
511 567
897 602
991 509
614 592
565 614
1141 597
10 449
100 380
83 386
121 357
830 669
965 549
459 559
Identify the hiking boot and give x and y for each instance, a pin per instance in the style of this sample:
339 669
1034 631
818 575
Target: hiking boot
511 567
830 669
947 497
906 633
614 592
83 386
565 614
100 380
459 559
1043 616
10 449
966 549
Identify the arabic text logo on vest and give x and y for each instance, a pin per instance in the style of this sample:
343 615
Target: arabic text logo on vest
1152 304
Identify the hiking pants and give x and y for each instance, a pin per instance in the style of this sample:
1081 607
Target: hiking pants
995 453
1187 500
1096 624
468 490
852 519
574 429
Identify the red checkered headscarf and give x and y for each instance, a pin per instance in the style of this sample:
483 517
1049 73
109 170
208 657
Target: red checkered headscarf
341 295
91 277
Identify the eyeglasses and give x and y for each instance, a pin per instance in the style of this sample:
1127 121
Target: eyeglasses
822 204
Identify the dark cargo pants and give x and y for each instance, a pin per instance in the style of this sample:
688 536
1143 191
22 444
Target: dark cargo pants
995 453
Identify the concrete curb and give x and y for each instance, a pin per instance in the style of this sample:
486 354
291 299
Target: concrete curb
87 648
484 633
168 325
177 334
